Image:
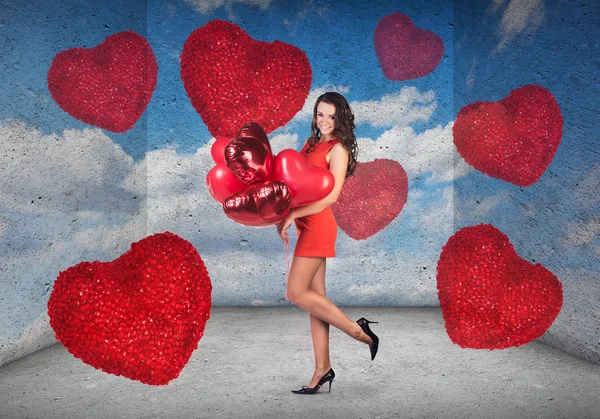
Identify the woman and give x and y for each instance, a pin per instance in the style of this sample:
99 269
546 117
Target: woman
332 145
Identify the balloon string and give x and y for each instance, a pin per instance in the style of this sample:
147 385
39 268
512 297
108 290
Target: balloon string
286 248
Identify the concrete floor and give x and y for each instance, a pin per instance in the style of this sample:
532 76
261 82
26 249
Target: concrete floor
250 358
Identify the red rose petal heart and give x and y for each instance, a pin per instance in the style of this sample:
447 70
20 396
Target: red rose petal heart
372 198
404 51
514 139
490 297
108 86
307 183
261 205
140 316
249 155
231 79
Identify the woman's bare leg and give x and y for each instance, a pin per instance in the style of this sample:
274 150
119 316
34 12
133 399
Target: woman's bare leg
319 330
299 292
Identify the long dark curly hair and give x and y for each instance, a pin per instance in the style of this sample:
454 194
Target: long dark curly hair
344 127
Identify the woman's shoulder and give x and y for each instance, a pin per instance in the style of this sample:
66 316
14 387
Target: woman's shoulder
336 143
336 151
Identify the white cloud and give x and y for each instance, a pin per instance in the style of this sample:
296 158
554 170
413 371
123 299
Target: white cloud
64 199
206 7
471 76
585 191
76 172
581 225
438 216
113 239
432 151
360 274
581 233
402 108
305 114
518 16
480 211
396 109
282 142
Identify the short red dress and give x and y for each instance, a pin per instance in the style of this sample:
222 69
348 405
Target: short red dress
317 232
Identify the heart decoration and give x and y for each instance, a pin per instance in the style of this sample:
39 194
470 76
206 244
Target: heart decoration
140 316
404 51
261 205
257 189
222 183
249 155
108 86
490 297
231 78
307 183
372 198
217 151
514 139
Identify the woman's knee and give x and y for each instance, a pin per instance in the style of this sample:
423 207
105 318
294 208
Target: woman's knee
294 295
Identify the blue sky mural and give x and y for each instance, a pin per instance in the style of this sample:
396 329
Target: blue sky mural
151 178
554 44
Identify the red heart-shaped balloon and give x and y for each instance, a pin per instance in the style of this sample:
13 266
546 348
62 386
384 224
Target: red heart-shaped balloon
490 297
249 155
261 205
140 316
307 183
404 51
108 86
217 151
371 198
514 139
231 79
222 183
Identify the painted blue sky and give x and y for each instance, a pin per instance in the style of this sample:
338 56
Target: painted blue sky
337 38
491 48
339 55
500 46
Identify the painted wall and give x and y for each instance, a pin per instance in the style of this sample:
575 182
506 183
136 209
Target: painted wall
500 46
72 191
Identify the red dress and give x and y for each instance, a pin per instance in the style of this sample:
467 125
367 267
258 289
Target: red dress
317 232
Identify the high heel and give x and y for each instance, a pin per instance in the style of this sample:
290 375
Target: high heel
364 325
329 376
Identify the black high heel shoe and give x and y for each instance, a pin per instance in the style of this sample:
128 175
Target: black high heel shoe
329 376
364 325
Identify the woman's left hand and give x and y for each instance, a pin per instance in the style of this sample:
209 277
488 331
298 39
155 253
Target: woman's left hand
283 225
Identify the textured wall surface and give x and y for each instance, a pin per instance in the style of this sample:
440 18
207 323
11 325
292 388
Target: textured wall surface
70 192
74 192
554 222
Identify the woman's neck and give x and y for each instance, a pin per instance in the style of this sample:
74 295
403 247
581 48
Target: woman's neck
328 137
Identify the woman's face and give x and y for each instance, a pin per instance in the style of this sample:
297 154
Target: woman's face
326 119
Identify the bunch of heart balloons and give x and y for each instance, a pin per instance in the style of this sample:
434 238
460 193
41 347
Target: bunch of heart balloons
257 188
